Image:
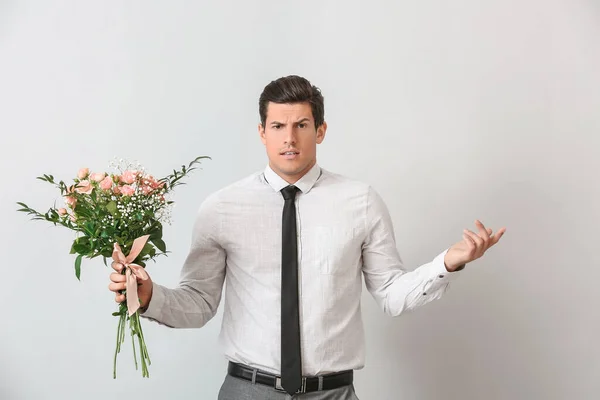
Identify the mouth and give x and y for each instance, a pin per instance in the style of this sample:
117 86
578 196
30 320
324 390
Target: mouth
290 154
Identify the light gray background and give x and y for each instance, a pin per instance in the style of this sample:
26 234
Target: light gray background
452 110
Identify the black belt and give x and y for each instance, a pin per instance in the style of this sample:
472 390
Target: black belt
309 384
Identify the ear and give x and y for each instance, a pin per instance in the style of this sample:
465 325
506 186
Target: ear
261 132
321 130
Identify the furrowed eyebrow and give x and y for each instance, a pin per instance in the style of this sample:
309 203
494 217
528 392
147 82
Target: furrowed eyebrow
303 120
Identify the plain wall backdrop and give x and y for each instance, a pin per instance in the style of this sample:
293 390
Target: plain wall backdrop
452 110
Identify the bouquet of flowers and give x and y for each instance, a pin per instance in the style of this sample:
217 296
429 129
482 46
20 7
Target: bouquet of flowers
118 216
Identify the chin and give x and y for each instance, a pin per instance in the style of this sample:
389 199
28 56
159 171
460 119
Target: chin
290 170
291 167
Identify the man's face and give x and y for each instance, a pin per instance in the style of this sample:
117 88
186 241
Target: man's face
291 139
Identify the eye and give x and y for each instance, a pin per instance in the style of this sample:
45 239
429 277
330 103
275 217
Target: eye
276 126
302 125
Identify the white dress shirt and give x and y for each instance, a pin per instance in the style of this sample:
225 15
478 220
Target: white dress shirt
344 233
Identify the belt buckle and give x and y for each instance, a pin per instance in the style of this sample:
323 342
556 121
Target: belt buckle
280 388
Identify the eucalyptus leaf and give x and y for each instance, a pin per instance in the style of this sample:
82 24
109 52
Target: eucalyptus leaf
78 266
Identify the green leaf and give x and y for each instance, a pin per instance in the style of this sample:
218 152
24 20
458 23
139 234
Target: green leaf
90 227
148 248
81 245
156 231
112 207
78 266
160 244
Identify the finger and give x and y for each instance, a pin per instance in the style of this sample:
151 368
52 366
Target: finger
116 287
117 266
469 242
497 236
476 238
116 277
120 298
483 232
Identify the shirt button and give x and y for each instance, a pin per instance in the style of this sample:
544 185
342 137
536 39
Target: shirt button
441 276
424 294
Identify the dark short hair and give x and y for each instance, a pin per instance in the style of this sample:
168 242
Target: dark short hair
292 89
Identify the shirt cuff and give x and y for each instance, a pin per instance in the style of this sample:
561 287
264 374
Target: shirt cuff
442 275
157 302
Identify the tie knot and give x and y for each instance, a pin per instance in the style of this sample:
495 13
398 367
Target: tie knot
289 192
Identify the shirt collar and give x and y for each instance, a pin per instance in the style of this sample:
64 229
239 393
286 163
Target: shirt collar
305 183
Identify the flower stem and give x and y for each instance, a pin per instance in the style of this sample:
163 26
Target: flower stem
116 350
135 329
120 330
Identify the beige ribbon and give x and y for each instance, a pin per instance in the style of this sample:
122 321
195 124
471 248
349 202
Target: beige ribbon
133 271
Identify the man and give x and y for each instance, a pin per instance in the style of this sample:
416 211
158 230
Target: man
292 244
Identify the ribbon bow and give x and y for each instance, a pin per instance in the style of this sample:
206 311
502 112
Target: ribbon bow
133 270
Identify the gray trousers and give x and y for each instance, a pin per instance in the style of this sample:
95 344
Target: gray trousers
238 389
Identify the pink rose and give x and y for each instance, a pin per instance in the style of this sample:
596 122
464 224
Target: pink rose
153 183
159 185
127 190
117 190
73 218
97 176
146 190
71 201
84 187
62 211
128 177
106 183
83 173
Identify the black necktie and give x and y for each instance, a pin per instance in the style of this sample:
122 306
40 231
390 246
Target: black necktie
291 363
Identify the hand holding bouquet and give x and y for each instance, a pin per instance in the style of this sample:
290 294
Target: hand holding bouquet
118 216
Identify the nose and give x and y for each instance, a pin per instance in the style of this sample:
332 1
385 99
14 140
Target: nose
290 136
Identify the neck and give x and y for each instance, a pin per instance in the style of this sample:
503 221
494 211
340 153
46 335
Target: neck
293 178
